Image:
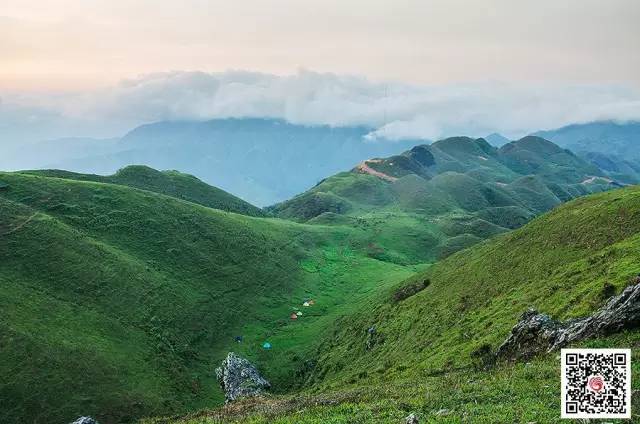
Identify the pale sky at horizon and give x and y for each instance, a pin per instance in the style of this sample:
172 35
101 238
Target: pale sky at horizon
78 45
406 68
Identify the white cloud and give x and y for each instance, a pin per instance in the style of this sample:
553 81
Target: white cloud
392 110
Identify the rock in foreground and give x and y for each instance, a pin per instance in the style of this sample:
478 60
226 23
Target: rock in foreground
85 420
239 378
411 419
537 333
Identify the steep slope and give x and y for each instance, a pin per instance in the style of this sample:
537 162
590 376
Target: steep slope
440 198
566 263
117 302
558 263
171 183
260 160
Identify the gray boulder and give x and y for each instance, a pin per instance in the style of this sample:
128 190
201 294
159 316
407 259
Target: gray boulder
85 420
534 333
411 419
373 338
239 378
537 333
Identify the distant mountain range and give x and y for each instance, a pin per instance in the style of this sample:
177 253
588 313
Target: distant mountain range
613 146
260 160
265 161
497 140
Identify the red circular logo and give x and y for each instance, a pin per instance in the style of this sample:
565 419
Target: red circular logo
596 384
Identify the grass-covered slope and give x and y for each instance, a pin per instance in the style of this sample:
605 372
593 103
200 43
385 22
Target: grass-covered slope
171 183
563 263
449 195
118 302
558 263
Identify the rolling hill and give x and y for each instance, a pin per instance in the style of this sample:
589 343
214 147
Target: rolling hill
117 302
566 263
439 198
171 183
121 293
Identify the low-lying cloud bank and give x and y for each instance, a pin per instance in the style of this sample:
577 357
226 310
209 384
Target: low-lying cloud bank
393 110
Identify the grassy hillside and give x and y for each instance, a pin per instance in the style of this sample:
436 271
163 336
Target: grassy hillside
558 263
121 294
421 360
435 200
118 302
171 183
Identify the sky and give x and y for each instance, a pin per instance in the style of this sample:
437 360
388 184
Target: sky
411 66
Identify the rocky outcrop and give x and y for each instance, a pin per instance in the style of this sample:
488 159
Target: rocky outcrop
537 333
85 420
409 290
373 338
239 378
534 333
411 419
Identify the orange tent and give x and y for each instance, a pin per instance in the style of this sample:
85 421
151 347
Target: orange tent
294 316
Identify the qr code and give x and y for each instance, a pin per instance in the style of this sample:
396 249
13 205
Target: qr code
596 383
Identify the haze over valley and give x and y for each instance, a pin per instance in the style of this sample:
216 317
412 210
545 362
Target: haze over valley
317 212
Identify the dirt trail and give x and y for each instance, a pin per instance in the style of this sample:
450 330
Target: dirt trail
26 221
364 168
591 179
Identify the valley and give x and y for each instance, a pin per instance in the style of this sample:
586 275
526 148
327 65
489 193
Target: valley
157 275
561 263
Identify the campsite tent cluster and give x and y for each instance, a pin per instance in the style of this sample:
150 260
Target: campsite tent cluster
297 312
294 316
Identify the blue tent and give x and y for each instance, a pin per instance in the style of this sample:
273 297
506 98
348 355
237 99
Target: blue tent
239 339
266 345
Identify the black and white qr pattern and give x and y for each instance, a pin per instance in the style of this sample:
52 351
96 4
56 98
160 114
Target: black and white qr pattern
596 383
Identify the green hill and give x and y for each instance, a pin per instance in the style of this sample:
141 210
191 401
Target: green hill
121 294
118 302
172 183
565 263
412 198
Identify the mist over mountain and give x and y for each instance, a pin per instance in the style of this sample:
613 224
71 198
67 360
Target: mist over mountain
266 161
260 160
612 146
608 137
392 109
312 212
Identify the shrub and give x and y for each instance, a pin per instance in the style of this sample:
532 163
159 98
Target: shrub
409 290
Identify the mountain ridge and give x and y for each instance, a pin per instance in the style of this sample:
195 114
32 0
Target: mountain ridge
450 194
171 183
